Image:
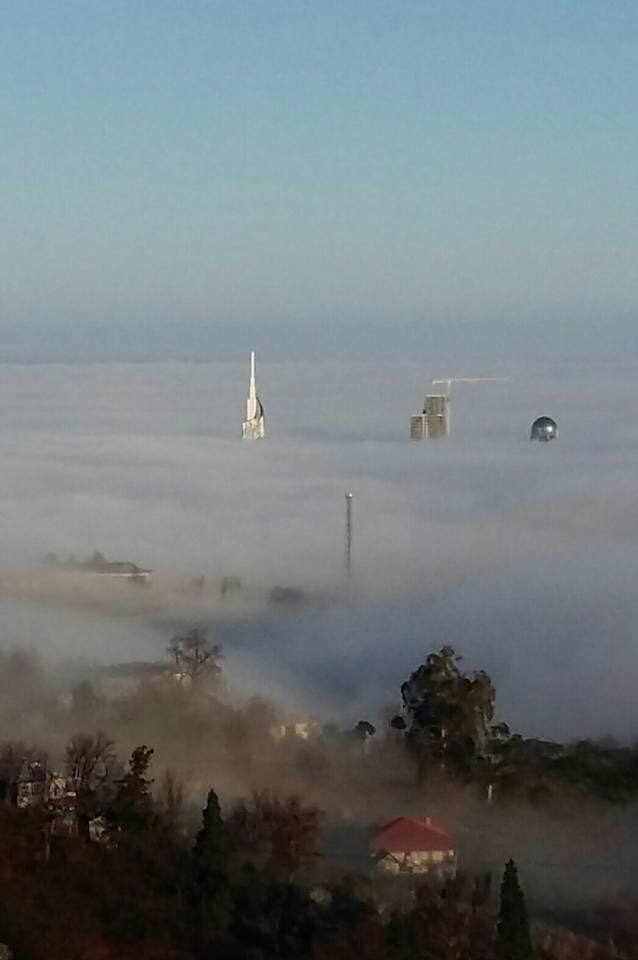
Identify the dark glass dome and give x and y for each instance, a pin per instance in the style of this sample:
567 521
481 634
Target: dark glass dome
544 428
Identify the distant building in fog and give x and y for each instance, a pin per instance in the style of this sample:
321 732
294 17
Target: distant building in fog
98 567
302 729
434 419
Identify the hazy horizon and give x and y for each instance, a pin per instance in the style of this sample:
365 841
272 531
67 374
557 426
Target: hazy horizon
432 179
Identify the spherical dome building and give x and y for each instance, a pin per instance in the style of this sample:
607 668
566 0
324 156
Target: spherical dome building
544 428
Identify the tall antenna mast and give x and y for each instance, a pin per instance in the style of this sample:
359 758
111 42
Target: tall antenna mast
348 556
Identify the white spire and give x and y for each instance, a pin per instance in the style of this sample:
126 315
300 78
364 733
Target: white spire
253 426
252 389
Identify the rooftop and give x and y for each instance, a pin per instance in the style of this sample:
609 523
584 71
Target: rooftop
411 834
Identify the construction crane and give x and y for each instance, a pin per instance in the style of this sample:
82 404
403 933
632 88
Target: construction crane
448 381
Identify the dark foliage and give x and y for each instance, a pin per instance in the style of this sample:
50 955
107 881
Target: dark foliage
448 713
132 810
514 941
449 923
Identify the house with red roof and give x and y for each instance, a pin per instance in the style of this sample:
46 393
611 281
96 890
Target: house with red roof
414 845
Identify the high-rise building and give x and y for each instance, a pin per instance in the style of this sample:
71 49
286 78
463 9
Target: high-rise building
433 421
253 427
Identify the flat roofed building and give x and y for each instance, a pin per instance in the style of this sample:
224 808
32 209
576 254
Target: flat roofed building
103 569
433 421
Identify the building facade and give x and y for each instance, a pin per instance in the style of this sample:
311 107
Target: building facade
433 421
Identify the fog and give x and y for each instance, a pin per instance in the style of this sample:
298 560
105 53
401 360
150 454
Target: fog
521 555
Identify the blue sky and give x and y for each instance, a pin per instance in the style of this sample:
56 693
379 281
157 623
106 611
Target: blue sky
178 173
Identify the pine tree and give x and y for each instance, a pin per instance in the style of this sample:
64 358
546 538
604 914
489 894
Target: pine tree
133 810
513 923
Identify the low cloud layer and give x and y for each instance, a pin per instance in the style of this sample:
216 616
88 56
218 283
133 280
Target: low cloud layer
521 555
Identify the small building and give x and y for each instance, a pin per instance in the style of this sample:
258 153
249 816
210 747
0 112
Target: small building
24 782
119 570
115 570
28 783
411 845
32 784
434 419
300 729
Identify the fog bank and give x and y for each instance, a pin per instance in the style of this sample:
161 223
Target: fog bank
519 554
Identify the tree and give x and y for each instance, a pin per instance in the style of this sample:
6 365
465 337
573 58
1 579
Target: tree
210 891
211 850
88 762
448 712
88 759
272 918
513 925
274 834
172 800
132 810
195 656
364 729
449 923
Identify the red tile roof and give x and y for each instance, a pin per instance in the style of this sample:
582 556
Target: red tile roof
411 834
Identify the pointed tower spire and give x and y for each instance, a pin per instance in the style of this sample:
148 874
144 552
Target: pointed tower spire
253 426
252 388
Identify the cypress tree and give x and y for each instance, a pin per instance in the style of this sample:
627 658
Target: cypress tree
211 850
513 923
210 884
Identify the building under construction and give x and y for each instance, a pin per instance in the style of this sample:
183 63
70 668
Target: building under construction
433 421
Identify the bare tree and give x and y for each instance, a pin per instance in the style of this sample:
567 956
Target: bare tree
275 833
195 655
88 758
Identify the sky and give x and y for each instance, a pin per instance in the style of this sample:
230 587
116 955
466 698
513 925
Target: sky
521 555
426 178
